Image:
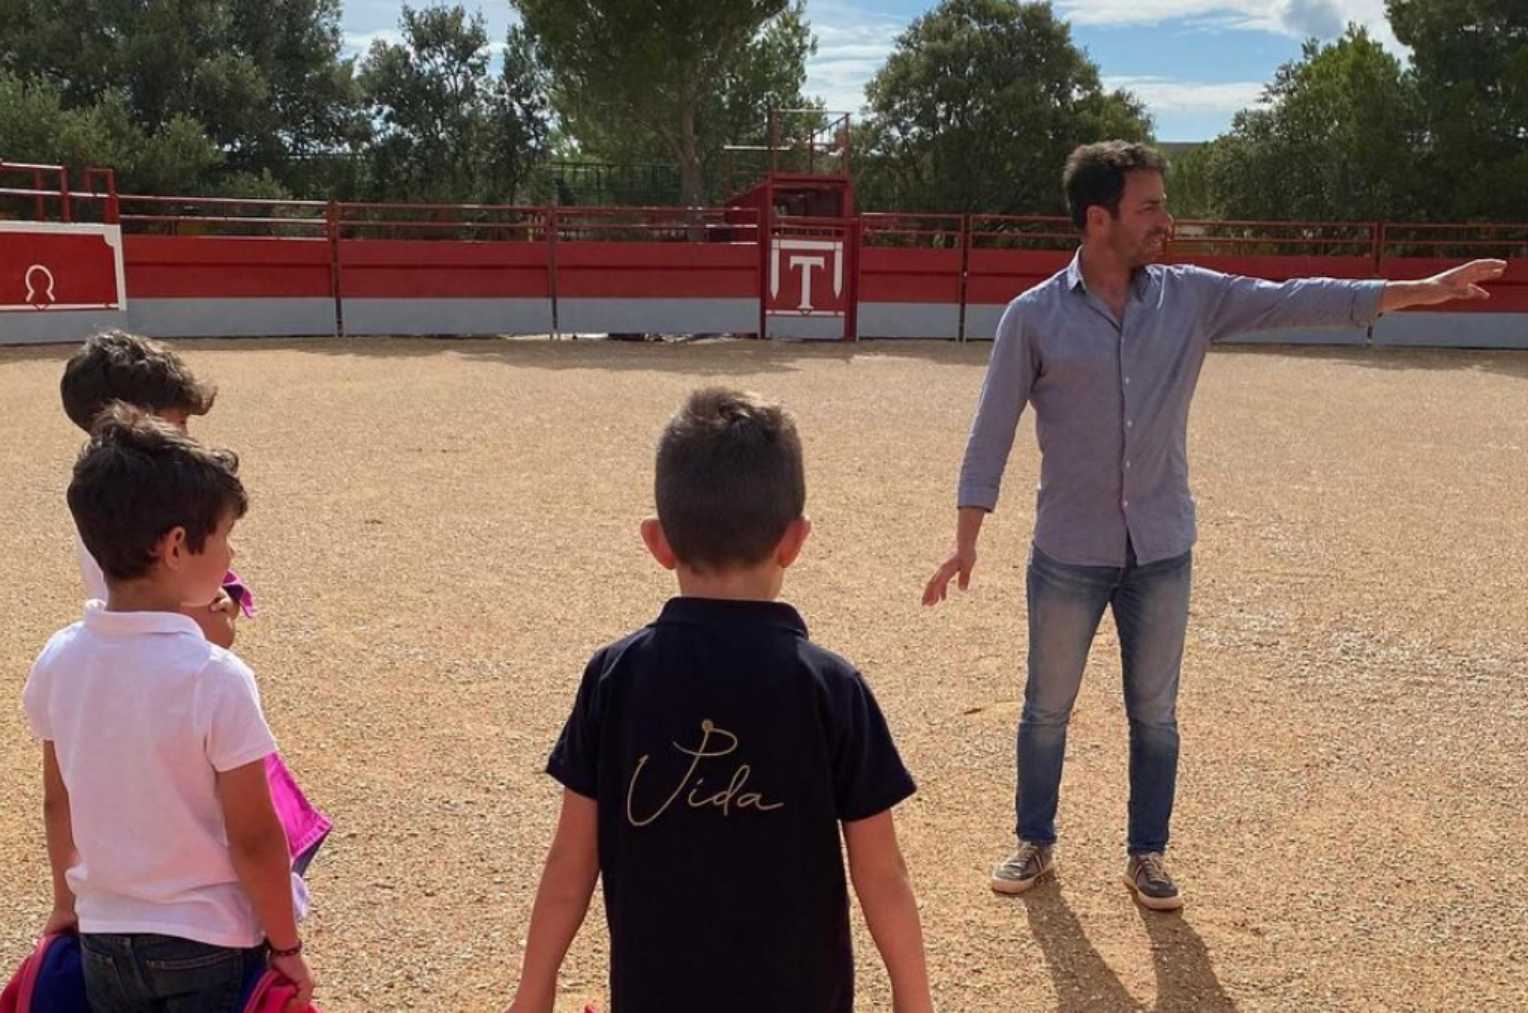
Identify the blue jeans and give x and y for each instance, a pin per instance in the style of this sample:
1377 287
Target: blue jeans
164 974
1066 603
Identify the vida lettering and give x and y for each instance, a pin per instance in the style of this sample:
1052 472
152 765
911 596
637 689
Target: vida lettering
714 743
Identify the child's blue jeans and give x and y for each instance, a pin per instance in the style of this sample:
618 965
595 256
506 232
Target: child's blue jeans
164 974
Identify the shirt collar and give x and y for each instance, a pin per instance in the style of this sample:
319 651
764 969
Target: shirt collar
708 611
1140 282
99 619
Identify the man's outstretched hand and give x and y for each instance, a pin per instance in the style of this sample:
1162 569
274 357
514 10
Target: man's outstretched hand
1463 282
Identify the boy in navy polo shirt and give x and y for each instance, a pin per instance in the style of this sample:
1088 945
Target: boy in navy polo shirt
711 757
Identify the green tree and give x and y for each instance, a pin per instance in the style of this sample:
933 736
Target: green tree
1336 137
35 126
671 78
1190 191
262 78
1470 65
977 108
447 130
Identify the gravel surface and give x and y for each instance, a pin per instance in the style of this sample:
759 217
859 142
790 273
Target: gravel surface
442 531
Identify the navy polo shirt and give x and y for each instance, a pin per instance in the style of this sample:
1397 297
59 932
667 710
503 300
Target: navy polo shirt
723 748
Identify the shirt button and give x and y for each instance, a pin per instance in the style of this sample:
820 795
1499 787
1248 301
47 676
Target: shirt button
1125 503
1127 464
1127 379
1128 424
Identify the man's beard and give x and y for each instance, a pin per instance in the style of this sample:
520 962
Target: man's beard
1151 251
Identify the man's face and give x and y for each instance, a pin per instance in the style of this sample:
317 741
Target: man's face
1139 234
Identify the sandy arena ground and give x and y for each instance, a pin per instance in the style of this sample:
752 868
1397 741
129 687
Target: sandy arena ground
442 531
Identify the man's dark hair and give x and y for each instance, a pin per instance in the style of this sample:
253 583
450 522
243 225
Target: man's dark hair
730 478
140 477
1095 175
117 366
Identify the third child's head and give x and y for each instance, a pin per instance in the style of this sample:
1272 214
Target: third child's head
730 489
116 366
155 508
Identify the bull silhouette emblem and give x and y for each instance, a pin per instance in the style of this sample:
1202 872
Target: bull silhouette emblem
39 295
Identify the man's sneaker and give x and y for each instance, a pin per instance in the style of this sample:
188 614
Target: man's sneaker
1023 868
1147 877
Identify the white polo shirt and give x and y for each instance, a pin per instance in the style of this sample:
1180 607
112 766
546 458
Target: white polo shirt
141 711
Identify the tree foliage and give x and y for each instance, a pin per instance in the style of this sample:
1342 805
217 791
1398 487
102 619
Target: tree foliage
977 108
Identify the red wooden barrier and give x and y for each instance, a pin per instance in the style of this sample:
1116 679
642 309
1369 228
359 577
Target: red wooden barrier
226 266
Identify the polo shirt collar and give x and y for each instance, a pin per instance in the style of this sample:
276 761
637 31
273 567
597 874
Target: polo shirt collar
1140 282
99 619
684 609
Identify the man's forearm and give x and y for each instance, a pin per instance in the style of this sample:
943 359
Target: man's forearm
1400 294
968 526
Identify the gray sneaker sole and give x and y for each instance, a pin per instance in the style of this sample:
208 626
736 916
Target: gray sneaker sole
1013 887
1153 903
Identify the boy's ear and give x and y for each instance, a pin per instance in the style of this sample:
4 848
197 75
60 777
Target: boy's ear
172 550
791 542
657 543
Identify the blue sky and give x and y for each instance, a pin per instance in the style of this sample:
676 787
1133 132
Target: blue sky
1194 62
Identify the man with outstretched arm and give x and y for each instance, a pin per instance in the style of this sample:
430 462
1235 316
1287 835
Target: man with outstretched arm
1109 351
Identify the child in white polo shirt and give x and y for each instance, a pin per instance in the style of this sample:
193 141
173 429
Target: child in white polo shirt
117 366
166 852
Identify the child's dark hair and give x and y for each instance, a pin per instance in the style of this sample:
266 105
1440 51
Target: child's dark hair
138 478
117 366
1095 175
730 478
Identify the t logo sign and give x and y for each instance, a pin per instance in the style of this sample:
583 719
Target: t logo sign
806 264
798 281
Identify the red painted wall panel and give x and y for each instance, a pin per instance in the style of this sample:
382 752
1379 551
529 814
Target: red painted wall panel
425 269
595 270
218 267
996 276
910 275
57 266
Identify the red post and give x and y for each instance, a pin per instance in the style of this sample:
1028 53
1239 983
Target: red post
853 235
965 272
113 208
766 238
63 194
332 229
551 263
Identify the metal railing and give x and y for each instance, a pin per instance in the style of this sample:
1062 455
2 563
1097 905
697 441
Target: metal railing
97 204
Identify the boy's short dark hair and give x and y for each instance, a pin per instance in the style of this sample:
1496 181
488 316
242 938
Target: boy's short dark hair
730 478
1095 175
117 366
139 477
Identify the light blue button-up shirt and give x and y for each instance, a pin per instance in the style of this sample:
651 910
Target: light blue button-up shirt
1111 398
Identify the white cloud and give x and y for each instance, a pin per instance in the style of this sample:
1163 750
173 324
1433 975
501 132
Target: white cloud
1299 19
1166 96
851 46
853 43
